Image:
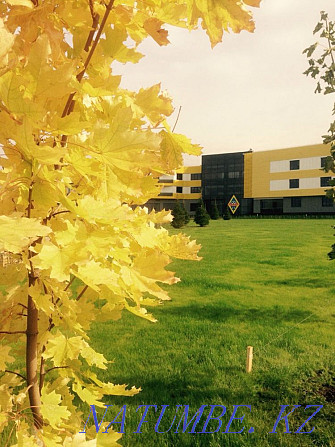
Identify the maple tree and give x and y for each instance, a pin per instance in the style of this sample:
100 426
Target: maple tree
81 157
321 66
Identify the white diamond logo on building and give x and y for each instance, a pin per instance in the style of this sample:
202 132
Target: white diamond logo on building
233 204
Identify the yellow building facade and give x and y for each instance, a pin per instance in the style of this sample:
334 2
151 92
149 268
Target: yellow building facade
183 185
278 181
294 176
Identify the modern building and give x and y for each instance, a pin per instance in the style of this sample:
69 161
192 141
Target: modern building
279 181
183 185
288 181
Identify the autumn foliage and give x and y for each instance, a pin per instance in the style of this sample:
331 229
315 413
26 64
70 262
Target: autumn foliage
81 158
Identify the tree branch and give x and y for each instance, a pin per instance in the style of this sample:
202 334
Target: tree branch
176 119
12 332
17 374
69 106
70 282
82 293
329 45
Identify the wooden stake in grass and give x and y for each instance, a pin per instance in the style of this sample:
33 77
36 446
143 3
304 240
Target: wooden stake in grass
249 358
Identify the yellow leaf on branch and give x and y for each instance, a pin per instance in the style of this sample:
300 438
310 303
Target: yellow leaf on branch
52 410
17 233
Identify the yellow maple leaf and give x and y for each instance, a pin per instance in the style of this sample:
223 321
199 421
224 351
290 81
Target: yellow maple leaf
79 440
7 40
153 27
218 15
173 145
92 357
16 233
61 349
25 3
51 409
154 104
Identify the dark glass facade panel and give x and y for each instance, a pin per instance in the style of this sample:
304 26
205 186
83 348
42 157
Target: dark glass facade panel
324 181
294 165
326 201
294 183
296 202
272 206
223 177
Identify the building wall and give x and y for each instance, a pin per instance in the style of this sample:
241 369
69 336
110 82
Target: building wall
263 182
309 205
173 188
269 172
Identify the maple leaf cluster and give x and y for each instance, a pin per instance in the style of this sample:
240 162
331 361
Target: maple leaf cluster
81 157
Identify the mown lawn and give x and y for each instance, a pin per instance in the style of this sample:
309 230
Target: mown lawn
265 283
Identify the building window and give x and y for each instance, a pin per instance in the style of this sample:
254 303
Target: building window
195 176
233 174
324 181
179 176
166 194
295 202
294 165
179 189
162 180
195 189
326 201
323 162
294 183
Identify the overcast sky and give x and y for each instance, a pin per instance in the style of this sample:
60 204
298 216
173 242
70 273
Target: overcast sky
249 91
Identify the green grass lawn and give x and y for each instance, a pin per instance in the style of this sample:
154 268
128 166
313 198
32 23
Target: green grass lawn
265 283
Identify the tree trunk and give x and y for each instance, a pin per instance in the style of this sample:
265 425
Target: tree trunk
31 361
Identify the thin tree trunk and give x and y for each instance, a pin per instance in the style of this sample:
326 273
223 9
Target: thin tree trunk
31 360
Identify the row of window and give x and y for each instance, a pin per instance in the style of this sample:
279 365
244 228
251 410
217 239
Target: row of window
193 176
295 164
194 189
324 181
222 175
296 202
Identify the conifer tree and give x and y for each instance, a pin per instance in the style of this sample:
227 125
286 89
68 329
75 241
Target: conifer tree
178 216
201 216
227 214
214 212
186 215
